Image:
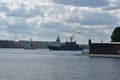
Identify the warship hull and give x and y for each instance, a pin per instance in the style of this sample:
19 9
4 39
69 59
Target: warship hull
69 46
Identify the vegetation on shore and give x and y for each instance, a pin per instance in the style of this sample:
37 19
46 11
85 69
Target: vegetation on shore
115 37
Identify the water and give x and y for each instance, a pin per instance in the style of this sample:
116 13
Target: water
42 64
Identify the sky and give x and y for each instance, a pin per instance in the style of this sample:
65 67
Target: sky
44 20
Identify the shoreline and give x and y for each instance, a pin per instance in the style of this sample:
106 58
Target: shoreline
102 55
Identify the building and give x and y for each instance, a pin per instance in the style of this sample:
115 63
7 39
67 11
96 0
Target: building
9 44
104 48
36 44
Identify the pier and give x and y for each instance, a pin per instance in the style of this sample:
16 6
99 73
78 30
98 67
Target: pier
102 55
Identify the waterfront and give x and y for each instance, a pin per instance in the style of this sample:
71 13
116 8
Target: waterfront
42 64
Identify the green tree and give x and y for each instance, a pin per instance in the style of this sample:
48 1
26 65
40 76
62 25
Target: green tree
115 37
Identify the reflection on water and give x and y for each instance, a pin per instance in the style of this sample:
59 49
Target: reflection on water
42 64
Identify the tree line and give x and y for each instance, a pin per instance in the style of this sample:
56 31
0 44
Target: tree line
115 37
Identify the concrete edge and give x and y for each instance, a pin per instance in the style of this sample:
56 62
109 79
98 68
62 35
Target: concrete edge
101 55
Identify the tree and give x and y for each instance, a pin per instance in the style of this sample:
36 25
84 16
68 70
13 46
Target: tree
115 37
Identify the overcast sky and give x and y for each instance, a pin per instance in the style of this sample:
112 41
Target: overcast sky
46 19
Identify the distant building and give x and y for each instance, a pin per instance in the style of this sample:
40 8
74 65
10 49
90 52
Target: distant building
104 48
25 44
9 44
37 44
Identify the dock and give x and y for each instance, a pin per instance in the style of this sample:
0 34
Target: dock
102 55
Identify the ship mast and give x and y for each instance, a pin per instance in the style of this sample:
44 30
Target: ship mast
71 39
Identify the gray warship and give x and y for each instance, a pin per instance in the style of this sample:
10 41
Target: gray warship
70 46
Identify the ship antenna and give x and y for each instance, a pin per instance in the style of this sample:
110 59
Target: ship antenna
71 39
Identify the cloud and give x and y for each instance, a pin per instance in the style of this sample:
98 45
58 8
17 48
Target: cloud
46 19
111 8
3 7
114 5
57 26
116 2
84 3
99 19
92 17
21 12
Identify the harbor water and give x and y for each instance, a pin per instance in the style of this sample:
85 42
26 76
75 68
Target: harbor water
42 64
